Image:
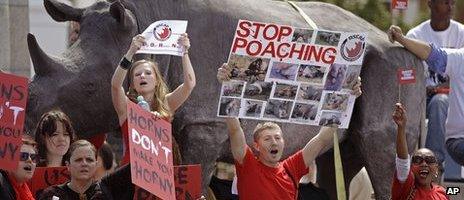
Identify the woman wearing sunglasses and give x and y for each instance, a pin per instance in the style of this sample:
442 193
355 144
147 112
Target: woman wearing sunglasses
413 180
13 184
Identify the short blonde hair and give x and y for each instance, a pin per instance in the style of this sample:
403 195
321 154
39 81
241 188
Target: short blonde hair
264 126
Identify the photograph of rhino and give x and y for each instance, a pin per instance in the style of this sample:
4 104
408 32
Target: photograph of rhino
330 118
327 38
335 77
335 101
304 113
284 91
309 93
352 73
232 89
247 68
311 74
258 90
302 35
277 110
251 109
78 81
229 107
283 72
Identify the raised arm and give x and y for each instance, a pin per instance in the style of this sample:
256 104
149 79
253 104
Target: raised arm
399 116
419 48
323 141
180 94
117 91
236 135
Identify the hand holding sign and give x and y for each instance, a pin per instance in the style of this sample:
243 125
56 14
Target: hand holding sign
136 44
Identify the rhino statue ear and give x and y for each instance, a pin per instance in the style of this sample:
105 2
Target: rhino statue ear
118 12
61 12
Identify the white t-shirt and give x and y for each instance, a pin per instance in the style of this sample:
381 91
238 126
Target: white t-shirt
455 71
452 38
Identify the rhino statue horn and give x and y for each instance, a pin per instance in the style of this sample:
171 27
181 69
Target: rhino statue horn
61 12
43 64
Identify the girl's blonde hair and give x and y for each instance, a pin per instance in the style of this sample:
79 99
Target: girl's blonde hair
160 103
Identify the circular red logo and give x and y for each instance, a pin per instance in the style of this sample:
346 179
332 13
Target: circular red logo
353 47
162 32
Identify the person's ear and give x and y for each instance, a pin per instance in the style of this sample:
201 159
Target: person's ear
255 146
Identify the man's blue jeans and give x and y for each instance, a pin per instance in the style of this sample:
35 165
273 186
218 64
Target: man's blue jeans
455 147
437 111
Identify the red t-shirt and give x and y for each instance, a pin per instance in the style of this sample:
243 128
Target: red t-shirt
258 181
400 191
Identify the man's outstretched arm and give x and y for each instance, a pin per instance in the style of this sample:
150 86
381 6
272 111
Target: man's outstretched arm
237 139
318 144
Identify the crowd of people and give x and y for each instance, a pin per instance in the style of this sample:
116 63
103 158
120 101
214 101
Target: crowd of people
94 173
92 168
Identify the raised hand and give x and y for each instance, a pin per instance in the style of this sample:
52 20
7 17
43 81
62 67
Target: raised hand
399 115
184 41
136 44
223 73
395 33
357 88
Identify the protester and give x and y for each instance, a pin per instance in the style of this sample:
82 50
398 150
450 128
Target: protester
146 80
413 180
54 134
448 62
13 184
81 164
270 178
105 160
443 32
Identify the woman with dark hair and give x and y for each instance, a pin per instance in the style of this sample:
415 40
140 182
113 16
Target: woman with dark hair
413 175
105 160
54 134
13 183
82 164
145 80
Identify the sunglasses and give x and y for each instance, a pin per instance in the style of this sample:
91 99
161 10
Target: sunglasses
428 159
24 156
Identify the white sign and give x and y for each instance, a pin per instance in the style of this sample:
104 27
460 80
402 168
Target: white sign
289 74
162 37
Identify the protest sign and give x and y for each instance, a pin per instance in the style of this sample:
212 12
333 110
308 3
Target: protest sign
47 176
150 145
13 97
399 4
187 182
288 74
406 76
161 38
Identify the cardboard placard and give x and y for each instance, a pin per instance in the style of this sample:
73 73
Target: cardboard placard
188 184
47 176
150 145
399 4
406 76
289 74
13 98
161 37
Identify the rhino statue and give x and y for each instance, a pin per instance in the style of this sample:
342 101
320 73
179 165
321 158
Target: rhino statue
78 81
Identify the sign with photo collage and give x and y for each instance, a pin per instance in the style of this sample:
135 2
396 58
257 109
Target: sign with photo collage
287 74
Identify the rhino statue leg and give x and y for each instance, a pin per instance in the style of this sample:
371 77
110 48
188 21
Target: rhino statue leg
199 139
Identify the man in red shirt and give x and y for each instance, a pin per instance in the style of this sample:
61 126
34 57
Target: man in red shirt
263 176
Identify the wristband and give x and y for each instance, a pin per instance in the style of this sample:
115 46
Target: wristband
124 63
